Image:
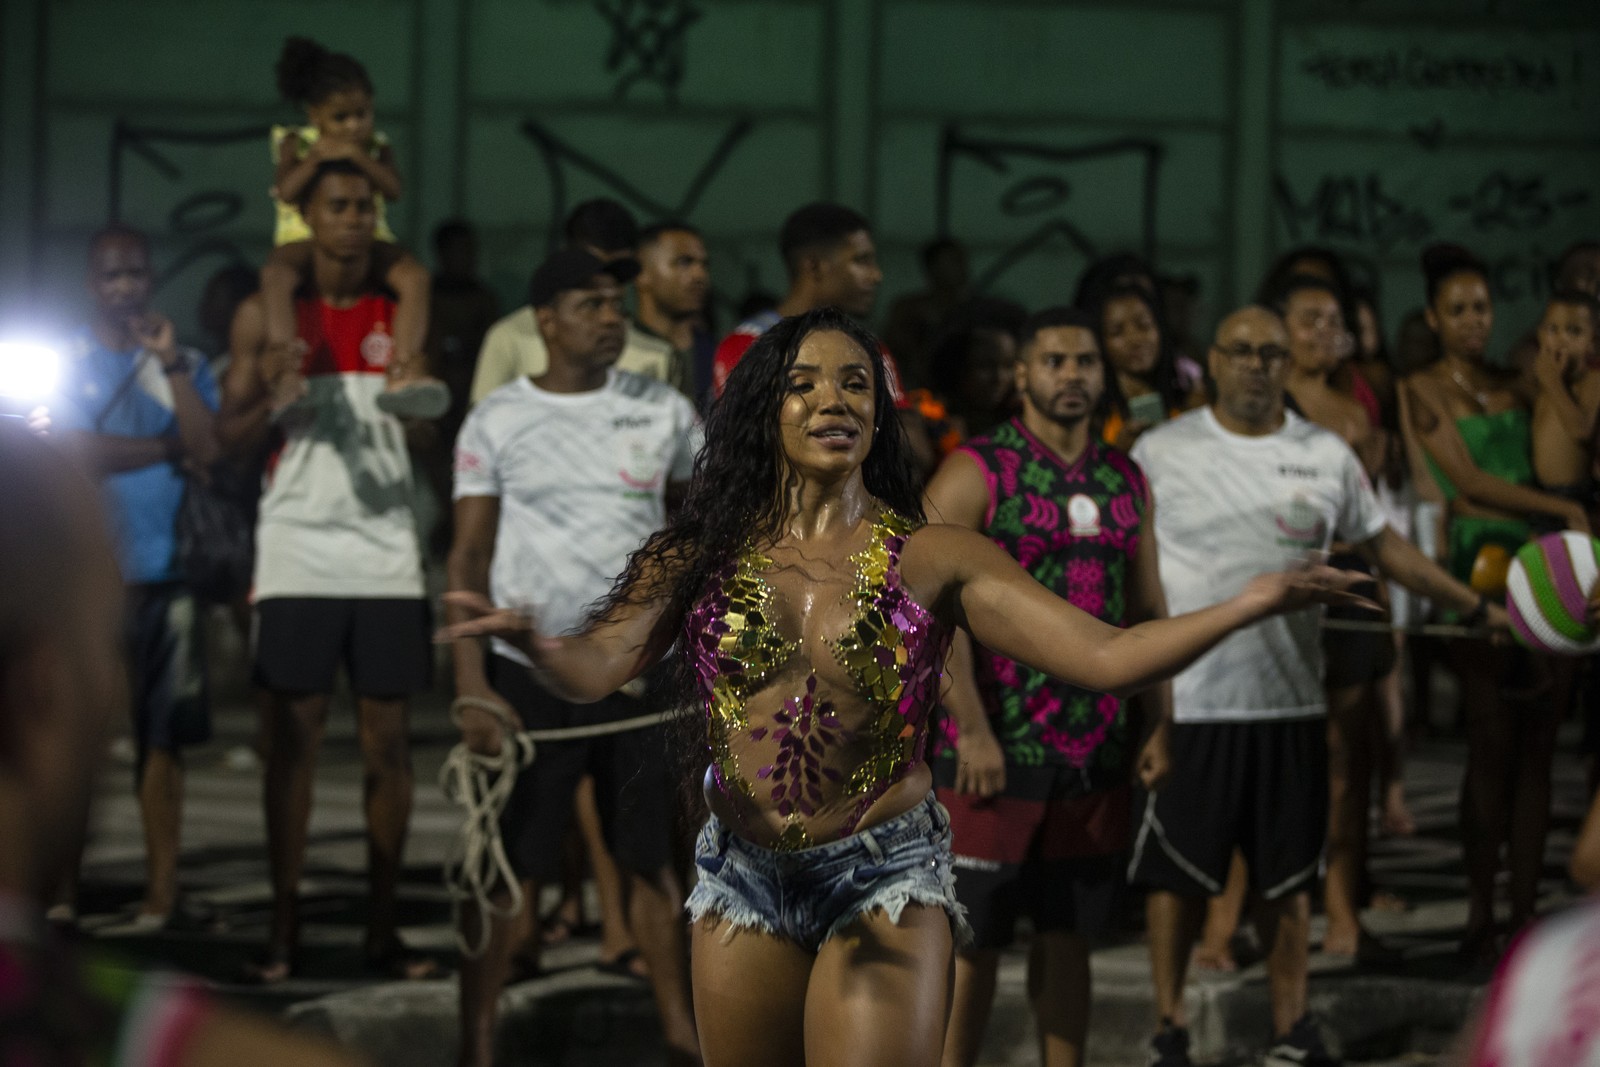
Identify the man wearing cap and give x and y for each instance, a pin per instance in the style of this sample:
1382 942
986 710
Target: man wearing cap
514 348
558 477
338 577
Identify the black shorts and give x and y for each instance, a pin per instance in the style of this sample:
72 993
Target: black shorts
632 783
1354 657
1040 848
385 645
1260 787
166 668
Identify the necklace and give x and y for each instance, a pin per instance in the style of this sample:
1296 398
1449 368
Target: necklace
1481 398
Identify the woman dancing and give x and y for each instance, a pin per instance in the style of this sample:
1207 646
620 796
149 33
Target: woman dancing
812 608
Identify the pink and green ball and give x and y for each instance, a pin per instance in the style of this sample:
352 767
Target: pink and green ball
1547 593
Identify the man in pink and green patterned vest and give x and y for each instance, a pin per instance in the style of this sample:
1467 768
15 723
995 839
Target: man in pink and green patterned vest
1036 772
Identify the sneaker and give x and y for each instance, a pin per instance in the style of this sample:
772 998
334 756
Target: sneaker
1169 1047
423 398
1302 1046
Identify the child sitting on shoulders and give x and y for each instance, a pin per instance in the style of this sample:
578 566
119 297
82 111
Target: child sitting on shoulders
336 94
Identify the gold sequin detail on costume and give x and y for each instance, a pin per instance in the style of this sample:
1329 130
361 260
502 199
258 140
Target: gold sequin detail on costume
874 651
748 648
793 839
891 649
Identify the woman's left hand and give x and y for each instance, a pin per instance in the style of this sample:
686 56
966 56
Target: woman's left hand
1314 583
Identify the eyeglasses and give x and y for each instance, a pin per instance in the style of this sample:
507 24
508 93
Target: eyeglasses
1240 352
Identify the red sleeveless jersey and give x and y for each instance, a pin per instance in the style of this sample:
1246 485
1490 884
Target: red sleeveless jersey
358 339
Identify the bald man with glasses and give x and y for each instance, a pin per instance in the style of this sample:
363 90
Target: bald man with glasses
1237 486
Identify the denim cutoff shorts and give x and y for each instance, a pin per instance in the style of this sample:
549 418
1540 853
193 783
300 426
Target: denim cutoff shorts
810 895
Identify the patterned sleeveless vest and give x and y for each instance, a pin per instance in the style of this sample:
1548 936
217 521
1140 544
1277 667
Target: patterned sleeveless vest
1074 528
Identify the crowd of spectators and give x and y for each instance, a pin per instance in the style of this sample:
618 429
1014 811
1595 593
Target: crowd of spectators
1079 437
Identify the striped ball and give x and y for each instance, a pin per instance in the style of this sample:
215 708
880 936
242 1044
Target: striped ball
1547 593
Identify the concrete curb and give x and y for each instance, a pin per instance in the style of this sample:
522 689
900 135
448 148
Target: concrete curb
578 1018
575 1018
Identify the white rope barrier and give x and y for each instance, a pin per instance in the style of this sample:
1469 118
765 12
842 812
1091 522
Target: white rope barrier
482 783
1429 629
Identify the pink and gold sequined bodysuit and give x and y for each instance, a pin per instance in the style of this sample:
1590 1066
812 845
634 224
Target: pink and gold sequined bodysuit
804 740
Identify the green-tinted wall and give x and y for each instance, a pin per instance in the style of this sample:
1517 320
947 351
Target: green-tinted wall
1211 132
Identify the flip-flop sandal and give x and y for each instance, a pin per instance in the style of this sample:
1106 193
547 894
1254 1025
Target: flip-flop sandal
1205 960
623 966
269 968
556 929
401 964
191 916
1389 903
425 399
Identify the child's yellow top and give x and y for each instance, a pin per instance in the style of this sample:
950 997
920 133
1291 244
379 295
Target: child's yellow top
291 227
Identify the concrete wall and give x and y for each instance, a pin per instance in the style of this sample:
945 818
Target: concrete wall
1211 133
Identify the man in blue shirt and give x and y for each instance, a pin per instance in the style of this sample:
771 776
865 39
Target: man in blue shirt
140 410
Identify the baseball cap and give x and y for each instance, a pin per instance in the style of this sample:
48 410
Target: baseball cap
574 268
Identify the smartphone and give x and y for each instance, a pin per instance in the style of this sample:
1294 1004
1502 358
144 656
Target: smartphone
1147 407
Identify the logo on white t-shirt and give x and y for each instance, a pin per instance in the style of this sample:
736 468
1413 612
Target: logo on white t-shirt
643 471
1083 516
1303 526
377 348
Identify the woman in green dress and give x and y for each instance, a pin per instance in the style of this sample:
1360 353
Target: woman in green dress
1473 425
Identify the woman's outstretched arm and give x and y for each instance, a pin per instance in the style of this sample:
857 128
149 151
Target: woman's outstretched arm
622 644
978 587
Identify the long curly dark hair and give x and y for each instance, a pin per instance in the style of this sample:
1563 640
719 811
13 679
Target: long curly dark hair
740 493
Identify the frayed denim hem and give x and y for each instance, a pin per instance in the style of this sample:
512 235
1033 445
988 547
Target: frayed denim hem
892 901
707 903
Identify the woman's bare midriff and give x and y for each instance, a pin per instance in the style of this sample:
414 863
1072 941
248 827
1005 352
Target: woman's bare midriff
895 801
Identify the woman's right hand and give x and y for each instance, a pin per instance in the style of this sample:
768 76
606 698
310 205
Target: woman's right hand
484 619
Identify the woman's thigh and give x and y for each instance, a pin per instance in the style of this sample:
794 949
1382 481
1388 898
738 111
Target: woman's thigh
880 992
749 996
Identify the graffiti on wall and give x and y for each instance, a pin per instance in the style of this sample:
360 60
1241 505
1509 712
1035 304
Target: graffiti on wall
197 221
1032 182
647 42
1518 211
1423 69
557 155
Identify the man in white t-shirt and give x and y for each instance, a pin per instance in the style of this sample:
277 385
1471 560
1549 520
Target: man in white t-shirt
1240 486
338 572
558 478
